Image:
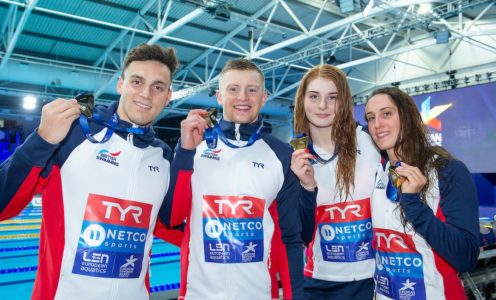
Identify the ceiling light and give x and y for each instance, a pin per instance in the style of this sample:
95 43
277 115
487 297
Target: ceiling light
29 102
424 8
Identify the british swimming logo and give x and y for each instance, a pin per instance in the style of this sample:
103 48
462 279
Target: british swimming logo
211 153
108 157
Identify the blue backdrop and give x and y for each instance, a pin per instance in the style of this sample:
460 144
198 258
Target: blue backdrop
463 121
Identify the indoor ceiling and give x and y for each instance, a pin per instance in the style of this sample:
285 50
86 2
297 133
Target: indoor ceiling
54 48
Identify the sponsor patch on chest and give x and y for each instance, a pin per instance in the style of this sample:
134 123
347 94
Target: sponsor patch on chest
399 267
345 231
112 239
233 229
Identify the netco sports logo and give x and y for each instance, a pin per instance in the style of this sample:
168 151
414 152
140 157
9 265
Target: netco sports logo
113 237
233 229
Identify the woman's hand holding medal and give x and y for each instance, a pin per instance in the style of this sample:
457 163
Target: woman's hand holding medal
409 179
300 163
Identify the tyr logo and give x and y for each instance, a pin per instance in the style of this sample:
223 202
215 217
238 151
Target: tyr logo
153 168
390 238
353 208
137 211
246 205
258 165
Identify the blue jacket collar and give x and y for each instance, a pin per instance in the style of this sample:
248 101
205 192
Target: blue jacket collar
245 130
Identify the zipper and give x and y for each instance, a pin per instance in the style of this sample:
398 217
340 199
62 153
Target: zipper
234 185
115 285
135 157
237 135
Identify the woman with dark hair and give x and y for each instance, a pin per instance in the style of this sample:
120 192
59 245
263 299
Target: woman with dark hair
424 206
340 260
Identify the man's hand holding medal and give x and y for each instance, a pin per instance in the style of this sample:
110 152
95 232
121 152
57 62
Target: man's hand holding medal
57 117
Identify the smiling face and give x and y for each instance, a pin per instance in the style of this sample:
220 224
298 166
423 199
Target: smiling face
144 89
320 103
241 94
383 121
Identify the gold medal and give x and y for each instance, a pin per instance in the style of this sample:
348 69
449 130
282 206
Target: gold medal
299 143
211 118
395 178
87 103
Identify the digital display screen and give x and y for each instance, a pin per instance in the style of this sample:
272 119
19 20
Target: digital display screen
462 120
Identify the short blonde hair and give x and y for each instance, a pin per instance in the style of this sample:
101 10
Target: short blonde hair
241 64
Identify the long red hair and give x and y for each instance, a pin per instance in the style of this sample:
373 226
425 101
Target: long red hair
343 132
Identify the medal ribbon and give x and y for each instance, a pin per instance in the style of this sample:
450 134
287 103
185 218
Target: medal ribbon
319 159
212 135
111 126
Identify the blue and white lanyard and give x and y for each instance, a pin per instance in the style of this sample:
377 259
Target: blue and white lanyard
212 135
111 126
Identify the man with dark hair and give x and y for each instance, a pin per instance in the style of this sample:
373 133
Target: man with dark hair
241 203
100 199
143 52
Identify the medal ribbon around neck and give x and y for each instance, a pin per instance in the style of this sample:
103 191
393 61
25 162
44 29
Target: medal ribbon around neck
319 159
301 141
111 126
214 132
86 100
